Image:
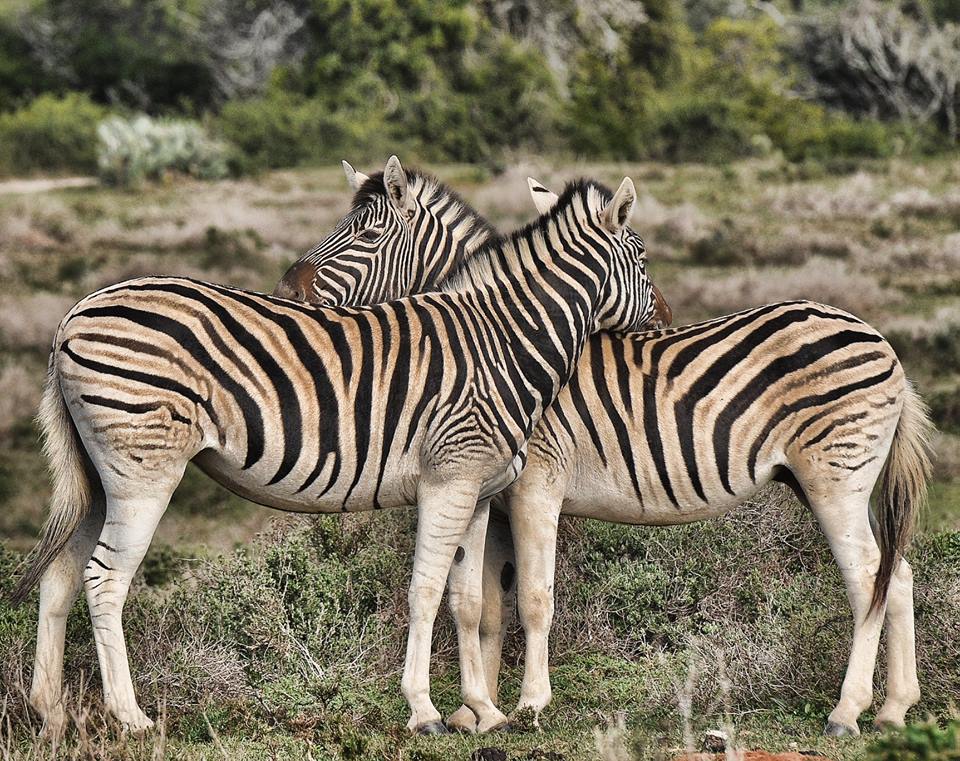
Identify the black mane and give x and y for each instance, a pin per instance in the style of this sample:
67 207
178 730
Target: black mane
373 188
574 188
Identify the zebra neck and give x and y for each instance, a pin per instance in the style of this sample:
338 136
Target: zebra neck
449 234
543 302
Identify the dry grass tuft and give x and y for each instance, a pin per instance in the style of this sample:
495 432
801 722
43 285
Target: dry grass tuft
856 197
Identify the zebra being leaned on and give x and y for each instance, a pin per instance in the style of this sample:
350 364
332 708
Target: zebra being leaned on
674 426
427 400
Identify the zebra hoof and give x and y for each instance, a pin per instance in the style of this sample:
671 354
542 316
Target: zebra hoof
835 729
432 728
887 725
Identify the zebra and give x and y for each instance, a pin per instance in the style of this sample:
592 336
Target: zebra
395 250
427 400
683 424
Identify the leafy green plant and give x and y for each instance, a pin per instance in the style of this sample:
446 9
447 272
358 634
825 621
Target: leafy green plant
50 134
132 150
927 741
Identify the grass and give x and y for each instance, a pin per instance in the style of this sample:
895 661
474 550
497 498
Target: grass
241 632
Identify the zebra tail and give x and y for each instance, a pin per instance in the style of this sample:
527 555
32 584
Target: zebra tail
71 498
903 489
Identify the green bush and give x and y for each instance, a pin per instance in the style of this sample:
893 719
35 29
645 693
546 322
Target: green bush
132 150
694 127
919 742
281 130
50 134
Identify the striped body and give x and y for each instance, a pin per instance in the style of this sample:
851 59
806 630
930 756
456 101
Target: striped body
292 406
680 425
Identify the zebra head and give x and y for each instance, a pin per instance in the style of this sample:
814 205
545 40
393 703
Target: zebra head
661 315
401 234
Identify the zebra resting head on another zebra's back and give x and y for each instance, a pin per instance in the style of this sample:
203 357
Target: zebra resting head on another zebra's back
404 232
427 400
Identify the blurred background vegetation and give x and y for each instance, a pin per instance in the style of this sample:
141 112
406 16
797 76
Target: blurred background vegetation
787 149
280 83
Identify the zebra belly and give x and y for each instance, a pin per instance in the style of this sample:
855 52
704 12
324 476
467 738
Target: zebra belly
608 494
396 488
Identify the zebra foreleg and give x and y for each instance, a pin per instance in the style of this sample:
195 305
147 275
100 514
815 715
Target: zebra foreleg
498 602
464 591
59 587
127 531
445 512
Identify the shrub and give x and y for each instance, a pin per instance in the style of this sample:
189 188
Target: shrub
281 130
698 127
50 134
925 741
877 58
131 150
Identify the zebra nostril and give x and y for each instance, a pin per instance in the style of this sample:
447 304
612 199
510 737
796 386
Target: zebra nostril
297 282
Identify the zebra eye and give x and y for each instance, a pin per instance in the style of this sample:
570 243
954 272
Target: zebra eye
369 235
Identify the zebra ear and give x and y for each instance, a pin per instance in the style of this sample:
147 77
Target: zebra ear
395 181
543 199
354 178
617 213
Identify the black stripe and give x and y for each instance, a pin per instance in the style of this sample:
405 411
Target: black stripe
830 428
185 337
810 401
804 357
136 409
652 434
145 378
613 414
291 416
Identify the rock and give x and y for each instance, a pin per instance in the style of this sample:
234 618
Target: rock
714 741
751 755
489 754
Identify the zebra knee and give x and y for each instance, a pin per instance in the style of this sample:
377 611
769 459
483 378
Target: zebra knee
466 608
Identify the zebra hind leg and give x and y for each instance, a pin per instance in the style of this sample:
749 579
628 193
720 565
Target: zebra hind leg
903 687
846 523
59 587
127 531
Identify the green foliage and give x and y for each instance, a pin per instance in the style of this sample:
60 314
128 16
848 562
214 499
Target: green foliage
926 741
444 80
132 150
607 111
50 134
141 54
282 129
20 76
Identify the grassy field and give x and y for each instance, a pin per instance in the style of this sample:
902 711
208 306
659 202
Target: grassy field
263 637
